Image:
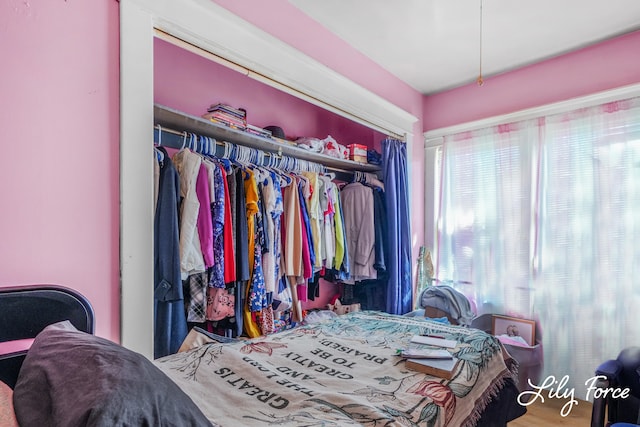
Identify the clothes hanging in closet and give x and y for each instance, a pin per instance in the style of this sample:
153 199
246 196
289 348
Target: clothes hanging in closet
256 295
357 199
309 246
188 166
282 230
242 251
197 281
381 236
217 188
228 245
359 215
170 325
204 222
242 229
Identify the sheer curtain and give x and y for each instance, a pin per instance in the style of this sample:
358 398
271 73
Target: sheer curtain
539 219
483 247
588 290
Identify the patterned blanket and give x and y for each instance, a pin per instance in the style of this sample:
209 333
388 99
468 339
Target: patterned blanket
340 372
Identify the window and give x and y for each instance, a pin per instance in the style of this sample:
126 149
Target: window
484 216
539 218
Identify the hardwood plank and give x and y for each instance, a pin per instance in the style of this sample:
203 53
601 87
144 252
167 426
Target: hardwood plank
548 413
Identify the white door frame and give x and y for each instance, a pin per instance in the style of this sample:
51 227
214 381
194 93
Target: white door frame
214 29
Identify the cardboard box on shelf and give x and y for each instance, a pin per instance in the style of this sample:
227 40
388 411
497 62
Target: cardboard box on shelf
359 159
357 150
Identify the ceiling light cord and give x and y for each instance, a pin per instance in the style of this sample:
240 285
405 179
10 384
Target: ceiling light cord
480 80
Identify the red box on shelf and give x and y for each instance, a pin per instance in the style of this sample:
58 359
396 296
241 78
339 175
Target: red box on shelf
357 150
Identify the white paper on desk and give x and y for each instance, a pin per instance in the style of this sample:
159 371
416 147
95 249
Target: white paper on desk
438 342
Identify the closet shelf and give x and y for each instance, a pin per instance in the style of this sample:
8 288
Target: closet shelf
177 120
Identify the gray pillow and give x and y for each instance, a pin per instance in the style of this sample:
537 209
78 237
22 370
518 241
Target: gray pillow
71 378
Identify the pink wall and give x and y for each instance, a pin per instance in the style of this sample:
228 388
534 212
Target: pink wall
283 20
59 127
290 25
59 131
596 68
190 83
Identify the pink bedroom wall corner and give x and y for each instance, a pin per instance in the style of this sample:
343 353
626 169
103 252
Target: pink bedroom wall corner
606 65
292 26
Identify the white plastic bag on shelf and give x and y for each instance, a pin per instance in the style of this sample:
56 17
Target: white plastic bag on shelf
333 149
312 144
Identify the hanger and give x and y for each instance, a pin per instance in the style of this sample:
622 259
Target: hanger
159 154
239 155
184 140
330 175
206 146
232 152
212 146
285 179
275 158
259 157
225 157
192 141
372 180
202 149
211 153
203 144
269 160
228 149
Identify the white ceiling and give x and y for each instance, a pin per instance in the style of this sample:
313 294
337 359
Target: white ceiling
434 45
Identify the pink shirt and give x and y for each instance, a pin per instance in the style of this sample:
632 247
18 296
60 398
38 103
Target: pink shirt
204 223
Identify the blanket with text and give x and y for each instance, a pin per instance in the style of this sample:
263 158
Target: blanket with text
340 372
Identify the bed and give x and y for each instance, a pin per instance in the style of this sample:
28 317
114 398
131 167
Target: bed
338 372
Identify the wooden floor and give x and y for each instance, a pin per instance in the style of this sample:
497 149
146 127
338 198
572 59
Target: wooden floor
548 414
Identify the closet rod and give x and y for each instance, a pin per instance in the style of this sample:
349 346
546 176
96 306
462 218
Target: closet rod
173 119
170 138
175 139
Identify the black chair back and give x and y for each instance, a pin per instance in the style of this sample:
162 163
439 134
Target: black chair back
26 310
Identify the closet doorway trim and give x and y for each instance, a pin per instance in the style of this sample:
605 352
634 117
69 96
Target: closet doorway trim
214 29
275 84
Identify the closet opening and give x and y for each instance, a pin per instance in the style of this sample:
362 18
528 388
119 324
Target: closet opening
168 38
186 85
208 26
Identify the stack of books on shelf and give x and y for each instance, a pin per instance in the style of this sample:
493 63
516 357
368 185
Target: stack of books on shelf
438 362
227 115
255 130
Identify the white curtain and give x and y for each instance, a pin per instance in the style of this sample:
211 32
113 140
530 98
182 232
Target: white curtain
541 219
483 247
